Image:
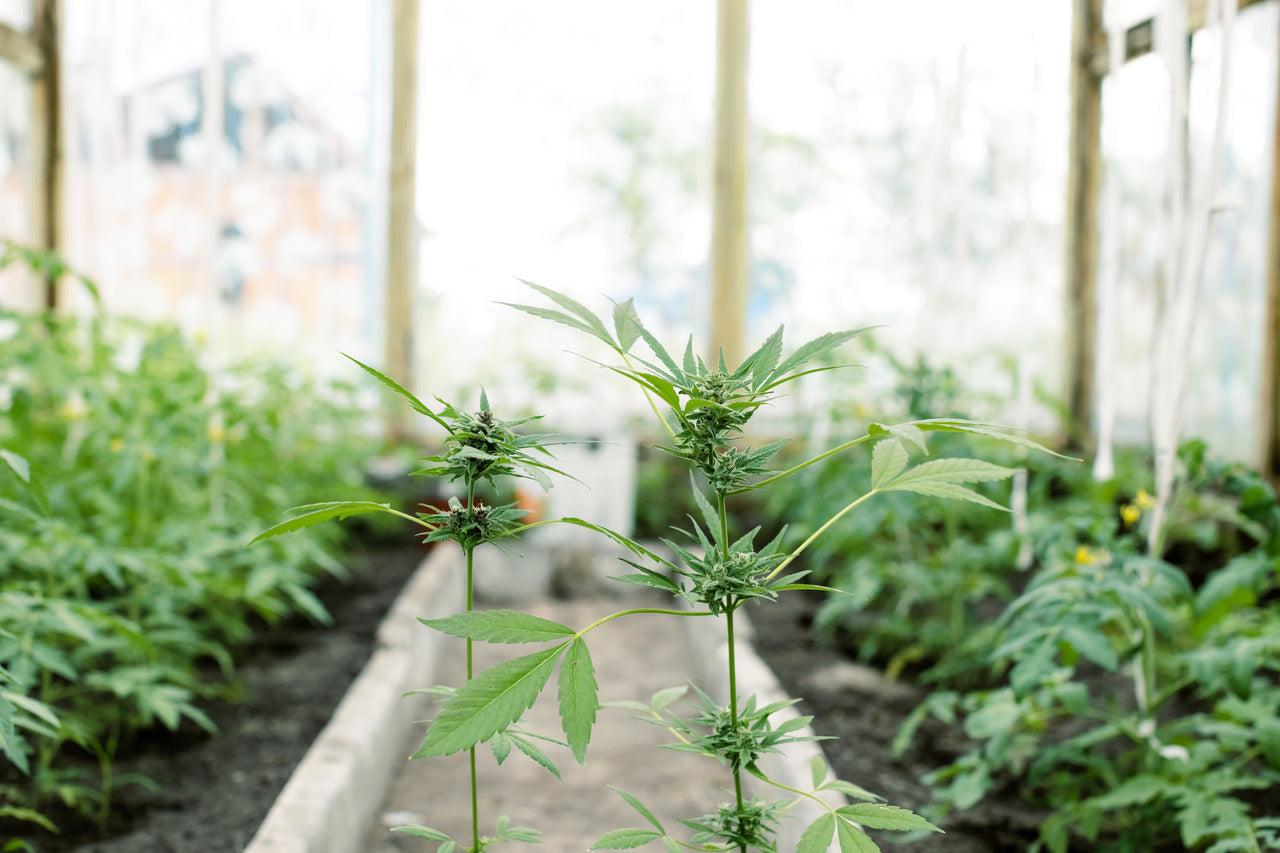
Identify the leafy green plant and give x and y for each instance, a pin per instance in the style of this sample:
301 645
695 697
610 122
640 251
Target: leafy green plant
1132 689
127 471
703 410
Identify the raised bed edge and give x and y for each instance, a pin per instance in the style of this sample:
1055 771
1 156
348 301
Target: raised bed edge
333 795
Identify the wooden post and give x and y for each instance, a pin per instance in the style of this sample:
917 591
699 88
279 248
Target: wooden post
401 230
1088 56
729 261
46 139
1268 448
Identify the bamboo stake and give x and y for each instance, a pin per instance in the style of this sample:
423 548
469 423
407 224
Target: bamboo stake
46 139
401 219
1268 450
1083 179
729 257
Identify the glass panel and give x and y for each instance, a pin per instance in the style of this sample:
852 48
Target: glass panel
1224 380
567 143
16 13
17 289
220 173
908 171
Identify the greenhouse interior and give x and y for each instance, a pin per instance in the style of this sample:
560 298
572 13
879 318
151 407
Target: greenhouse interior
681 425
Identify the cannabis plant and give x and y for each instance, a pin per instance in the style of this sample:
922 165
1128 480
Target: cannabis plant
704 410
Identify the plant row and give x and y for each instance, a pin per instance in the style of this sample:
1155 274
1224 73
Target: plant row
129 477
1130 695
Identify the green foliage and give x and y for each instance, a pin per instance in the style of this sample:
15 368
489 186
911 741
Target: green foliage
1134 696
704 410
127 474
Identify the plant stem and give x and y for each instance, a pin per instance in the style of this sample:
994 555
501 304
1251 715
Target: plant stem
663 610
823 529
733 706
722 512
471 588
792 470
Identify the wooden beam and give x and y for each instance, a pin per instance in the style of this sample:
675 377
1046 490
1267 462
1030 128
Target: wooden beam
729 261
1268 447
46 139
1139 39
401 218
1084 177
20 50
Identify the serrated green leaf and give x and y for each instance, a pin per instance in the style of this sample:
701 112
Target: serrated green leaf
888 460
630 544
1092 645
625 322
941 478
500 626
884 816
640 808
625 839
849 789
667 696
414 403
817 836
585 316
316 513
763 361
649 579
809 351
421 832
535 754
854 840
818 770
578 697
501 746
980 428
489 703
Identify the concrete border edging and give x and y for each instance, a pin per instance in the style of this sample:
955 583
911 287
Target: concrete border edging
333 795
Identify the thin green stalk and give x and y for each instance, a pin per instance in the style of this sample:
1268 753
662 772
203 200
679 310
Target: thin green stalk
795 468
723 513
664 611
471 587
733 708
823 529
475 794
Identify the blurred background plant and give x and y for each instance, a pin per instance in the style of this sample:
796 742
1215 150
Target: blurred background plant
133 478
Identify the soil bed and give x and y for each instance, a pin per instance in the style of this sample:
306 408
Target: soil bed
212 793
863 712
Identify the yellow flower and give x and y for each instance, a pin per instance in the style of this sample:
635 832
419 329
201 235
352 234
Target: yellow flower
75 408
117 444
1130 513
1144 500
1086 556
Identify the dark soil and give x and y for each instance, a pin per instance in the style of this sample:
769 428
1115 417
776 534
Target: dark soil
862 713
212 793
